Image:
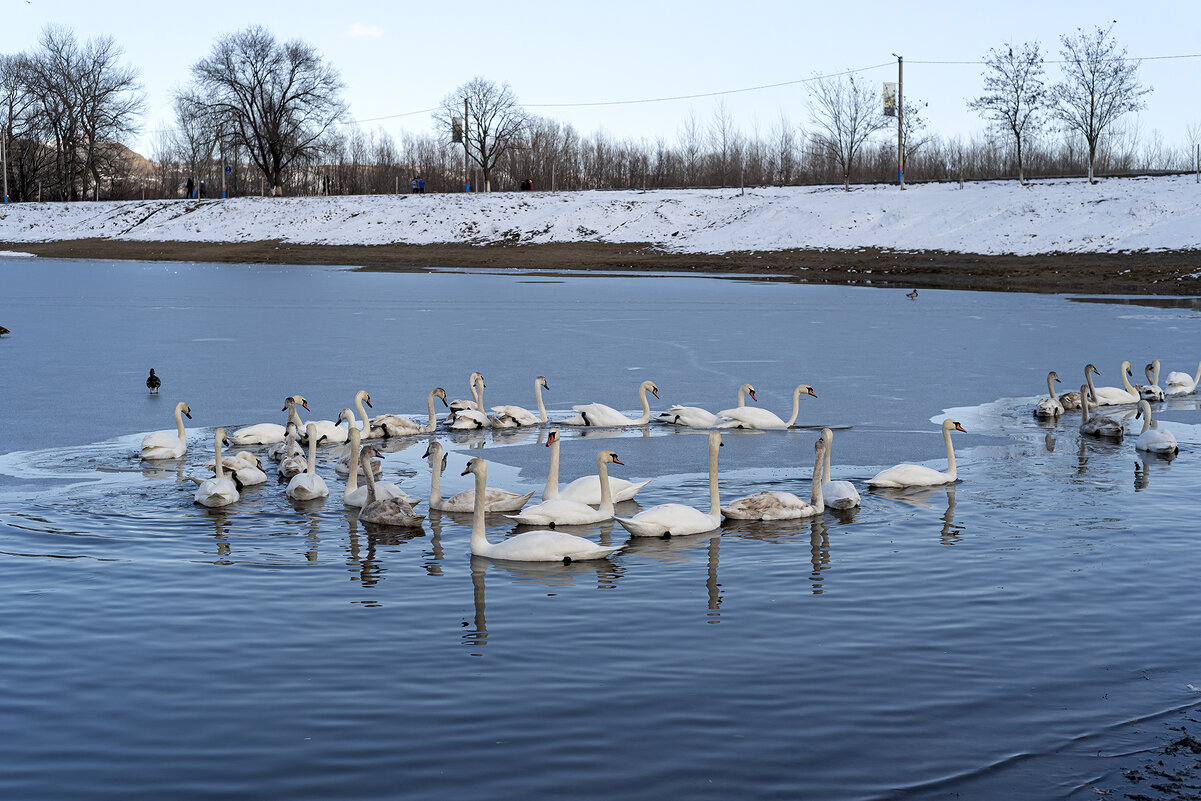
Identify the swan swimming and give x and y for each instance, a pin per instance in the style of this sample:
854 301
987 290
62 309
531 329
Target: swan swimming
562 512
586 489
395 425
515 416
270 433
354 495
696 417
1049 407
916 475
676 519
1183 383
308 486
598 414
836 494
754 417
1098 426
1110 396
1154 440
164 444
218 490
384 511
776 505
497 500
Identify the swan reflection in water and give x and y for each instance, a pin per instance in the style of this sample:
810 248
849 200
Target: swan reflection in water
364 563
1148 463
681 549
786 532
603 572
927 498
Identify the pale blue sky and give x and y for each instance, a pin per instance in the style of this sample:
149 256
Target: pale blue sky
403 57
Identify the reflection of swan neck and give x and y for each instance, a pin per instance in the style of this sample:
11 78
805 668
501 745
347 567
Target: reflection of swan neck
714 499
551 490
602 470
796 406
311 428
946 437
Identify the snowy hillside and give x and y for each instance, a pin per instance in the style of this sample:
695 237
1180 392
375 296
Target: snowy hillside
998 217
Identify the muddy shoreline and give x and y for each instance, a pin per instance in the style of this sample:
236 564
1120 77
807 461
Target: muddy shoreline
1140 273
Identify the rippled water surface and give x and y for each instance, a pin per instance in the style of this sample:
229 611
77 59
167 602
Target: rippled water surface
1016 635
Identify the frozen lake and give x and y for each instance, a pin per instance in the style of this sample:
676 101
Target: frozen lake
1017 635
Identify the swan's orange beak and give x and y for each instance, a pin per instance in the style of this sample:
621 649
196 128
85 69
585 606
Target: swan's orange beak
811 392
960 428
752 394
551 438
368 402
466 469
616 460
655 392
187 414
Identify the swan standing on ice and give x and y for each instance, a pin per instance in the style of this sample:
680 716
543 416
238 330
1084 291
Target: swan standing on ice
497 500
1110 396
218 490
775 505
696 417
1154 440
1099 426
1183 383
515 416
271 433
598 414
164 444
676 519
562 512
529 546
384 511
395 425
754 417
1049 407
837 494
916 475
308 486
586 489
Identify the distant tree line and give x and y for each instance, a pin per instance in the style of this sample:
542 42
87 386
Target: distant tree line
273 114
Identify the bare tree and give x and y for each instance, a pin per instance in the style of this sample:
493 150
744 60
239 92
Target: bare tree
276 99
845 113
22 125
1014 93
110 103
495 121
1100 85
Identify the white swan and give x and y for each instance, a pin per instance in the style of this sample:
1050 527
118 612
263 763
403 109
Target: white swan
1154 440
470 419
775 505
369 430
245 465
515 416
349 455
530 546
837 494
1151 391
308 486
395 425
598 414
916 475
696 417
281 449
473 381
1183 383
354 495
586 489
1049 407
562 512
497 500
1110 396
329 430
164 444
676 519
218 490
270 433
754 417
1099 426
384 511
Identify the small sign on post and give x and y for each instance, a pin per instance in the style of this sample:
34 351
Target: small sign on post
890 99
456 130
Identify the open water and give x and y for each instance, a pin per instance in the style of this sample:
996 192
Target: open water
1024 633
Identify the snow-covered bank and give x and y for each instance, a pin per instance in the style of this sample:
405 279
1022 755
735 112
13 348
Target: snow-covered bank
987 218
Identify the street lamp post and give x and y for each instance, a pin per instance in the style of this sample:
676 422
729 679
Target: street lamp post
900 125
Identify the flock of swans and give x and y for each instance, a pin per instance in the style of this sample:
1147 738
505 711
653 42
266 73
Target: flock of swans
1152 438
590 499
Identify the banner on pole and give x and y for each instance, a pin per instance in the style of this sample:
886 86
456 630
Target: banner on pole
456 130
890 99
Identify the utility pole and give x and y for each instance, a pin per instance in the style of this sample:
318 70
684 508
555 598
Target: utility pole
466 175
4 159
900 124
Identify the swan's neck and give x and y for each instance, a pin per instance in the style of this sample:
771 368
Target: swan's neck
352 481
477 392
433 423
436 480
1146 420
358 404
179 422
219 469
1088 379
796 408
313 452
538 397
479 542
646 407
826 464
367 474
1051 389
951 471
606 504
714 499
551 490
1197 377
294 417
1126 384
815 494
741 397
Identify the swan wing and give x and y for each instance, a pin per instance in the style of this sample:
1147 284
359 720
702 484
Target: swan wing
559 512
261 434
669 519
547 546
690 416
840 495
909 475
750 417
597 414
769 505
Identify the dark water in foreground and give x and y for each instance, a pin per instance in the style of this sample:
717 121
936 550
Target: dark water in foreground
1022 634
